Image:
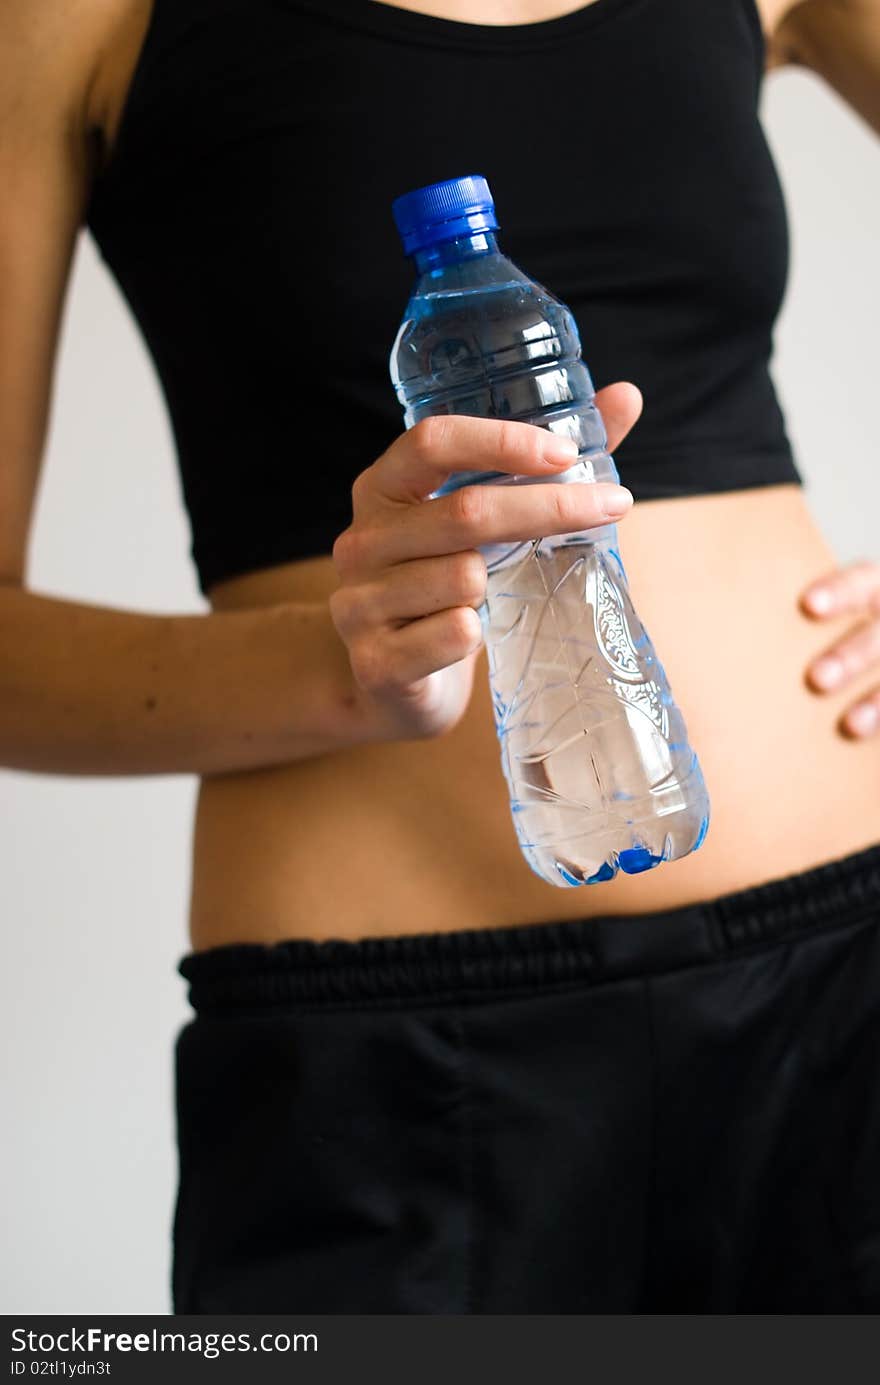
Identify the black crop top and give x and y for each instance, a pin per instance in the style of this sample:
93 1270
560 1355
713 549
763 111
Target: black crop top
245 213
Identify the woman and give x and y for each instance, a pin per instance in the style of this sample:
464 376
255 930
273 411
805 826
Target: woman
420 1078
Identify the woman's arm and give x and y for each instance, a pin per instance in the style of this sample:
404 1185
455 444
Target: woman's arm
86 689
839 40
90 690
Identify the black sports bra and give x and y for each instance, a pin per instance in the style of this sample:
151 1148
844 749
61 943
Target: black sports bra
245 213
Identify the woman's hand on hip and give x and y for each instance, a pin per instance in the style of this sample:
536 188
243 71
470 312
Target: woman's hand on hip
411 576
850 590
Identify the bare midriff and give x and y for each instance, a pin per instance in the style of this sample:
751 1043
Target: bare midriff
416 836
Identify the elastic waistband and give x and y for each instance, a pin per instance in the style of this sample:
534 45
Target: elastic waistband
519 958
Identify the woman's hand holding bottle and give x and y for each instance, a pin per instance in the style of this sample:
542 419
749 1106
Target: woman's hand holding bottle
411 575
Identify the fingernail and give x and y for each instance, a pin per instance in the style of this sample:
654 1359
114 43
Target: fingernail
827 672
862 720
615 500
820 600
558 450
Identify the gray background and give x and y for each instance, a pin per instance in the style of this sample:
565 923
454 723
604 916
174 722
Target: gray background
95 872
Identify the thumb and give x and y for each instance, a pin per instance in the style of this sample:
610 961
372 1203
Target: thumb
620 405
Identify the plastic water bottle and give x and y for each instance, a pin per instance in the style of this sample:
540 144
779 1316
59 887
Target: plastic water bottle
594 750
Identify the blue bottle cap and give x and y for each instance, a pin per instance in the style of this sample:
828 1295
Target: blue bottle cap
442 211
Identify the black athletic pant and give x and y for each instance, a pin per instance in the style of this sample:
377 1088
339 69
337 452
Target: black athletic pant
665 1113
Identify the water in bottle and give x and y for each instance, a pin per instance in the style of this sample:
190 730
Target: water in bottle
594 749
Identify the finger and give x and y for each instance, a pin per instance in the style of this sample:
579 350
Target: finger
620 406
482 514
419 461
846 658
863 719
412 590
390 661
855 587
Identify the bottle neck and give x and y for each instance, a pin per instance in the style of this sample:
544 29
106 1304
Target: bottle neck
450 252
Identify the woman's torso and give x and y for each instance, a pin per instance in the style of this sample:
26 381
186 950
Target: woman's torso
415 836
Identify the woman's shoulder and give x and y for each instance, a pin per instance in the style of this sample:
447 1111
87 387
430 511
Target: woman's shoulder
779 22
67 55
118 31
